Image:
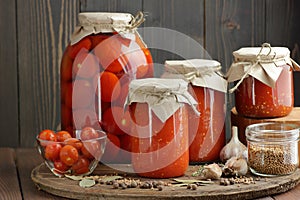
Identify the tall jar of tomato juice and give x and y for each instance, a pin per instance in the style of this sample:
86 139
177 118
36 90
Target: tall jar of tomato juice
158 108
208 86
105 53
263 79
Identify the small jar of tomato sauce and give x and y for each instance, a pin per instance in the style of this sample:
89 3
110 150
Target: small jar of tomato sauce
264 81
158 108
105 53
209 87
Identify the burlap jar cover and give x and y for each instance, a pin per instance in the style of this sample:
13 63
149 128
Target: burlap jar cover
93 23
198 72
163 96
259 62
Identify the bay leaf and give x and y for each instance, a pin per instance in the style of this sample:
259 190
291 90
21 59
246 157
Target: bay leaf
85 183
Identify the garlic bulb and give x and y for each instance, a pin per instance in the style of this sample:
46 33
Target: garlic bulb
235 166
233 148
212 171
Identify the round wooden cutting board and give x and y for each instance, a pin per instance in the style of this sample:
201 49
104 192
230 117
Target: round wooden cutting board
65 187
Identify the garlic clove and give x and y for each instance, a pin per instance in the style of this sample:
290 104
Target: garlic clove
234 148
212 171
237 166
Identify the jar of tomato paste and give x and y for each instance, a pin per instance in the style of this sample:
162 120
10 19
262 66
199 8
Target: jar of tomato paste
105 53
264 81
158 108
208 86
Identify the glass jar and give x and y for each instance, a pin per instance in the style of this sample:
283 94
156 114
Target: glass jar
158 108
104 55
264 81
208 86
272 148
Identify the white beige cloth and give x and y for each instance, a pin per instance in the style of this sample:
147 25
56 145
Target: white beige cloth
198 72
163 96
93 23
262 63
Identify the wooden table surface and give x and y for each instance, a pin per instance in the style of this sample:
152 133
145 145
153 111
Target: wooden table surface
15 182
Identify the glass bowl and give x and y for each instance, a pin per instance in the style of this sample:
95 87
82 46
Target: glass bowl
73 156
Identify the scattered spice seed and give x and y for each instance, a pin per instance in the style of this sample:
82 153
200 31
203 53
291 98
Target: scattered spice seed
275 160
116 185
193 186
160 188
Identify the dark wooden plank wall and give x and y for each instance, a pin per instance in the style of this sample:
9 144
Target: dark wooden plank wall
37 31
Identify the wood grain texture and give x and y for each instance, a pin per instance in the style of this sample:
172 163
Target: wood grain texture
8 75
279 16
289 195
231 24
132 6
27 159
9 185
184 39
71 189
44 28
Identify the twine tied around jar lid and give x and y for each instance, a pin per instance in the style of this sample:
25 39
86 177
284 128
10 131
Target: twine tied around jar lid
263 67
198 72
163 96
94 23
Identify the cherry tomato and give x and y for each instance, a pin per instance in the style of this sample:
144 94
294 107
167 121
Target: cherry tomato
112 148
138 63
84 117
126 148
116 121
60 166
74 142
66 68
73 50
81 166
110 86
82 94
88 133
92 150
62 136
52 151
48 135
85 65
124 80
110 54
67 89
68 155
150 71
66 117
96 39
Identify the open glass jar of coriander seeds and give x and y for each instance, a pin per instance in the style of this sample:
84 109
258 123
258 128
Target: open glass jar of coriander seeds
272 148
105 53
264 81
208 86
158 109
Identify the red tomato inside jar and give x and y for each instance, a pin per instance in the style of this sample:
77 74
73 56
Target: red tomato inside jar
158 108
104 55
208 87
264 81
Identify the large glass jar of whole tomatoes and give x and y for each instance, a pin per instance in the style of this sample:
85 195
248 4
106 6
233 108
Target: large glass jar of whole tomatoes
105 53
264 81
158 108
208 86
